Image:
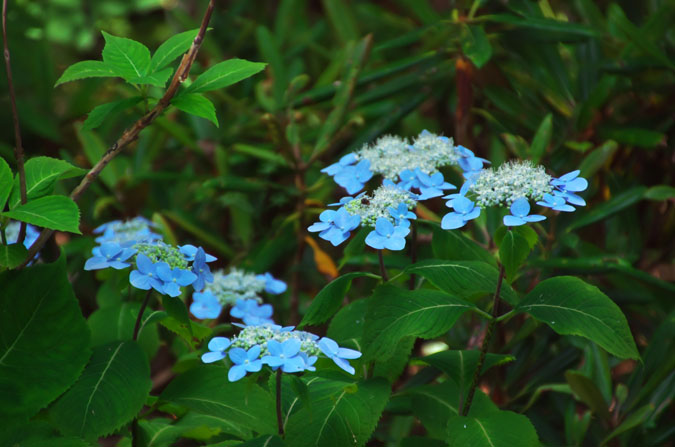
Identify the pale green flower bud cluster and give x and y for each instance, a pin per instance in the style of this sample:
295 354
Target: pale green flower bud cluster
159 251
372 207
510 182
390 155
260 335
235 285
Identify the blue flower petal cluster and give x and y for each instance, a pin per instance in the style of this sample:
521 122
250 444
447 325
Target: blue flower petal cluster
520 214
567 185
252 313
290 350
109 254
205 305
272 285
350 173
335 226
388 236
464 211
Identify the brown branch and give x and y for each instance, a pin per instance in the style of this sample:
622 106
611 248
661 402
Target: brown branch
18 149
131 134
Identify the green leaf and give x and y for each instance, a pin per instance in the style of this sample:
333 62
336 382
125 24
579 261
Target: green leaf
637 418
597 159
394 313
602 211
588 393
348 323
196 104
475 45
435 404
100 113
206 390
660 192
173 47
86 69
558 29
129 59
328 301
454 246
340 414
116 323
497 429
157 79
12 255
41 176
542 138
465 279
224 74
44 338
572 307
53 212
6 182
190 331
513 251
633 136
110 392
460 365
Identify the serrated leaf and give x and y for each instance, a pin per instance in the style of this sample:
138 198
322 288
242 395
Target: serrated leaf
128 58
110 392
328 301
12 255
224 74
348 323
454 246
196 104
465 279
497 429
53 212
116 323
542 138
513 251
6 182
157 79
394 313
572 307
173 47
342 413
206 390
41 176
100 113
86 69
44 338
475 45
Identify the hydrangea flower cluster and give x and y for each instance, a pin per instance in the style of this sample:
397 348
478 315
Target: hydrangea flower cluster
387 210
238 289
158 265
513 185
410 165
278 347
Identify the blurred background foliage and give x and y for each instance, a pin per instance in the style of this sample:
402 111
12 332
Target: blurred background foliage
575 84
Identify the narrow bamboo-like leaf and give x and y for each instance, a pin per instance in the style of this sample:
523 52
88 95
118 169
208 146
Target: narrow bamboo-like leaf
86 69
598 158
53 212
542 138
633 136
635 419
513 251
602 211
44 338
110 392
196 104
341 18
225 74
271 52
206 390
465 279
340 414
101 112
558 29
475 45
497 429
394 313
41 176
128 58
587 392
173 47
660 192
572 307
328 301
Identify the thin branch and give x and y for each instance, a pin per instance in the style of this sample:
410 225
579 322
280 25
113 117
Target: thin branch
131 134
18 149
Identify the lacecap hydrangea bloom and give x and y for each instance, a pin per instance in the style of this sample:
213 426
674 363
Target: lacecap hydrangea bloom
410 165
157 265
277 347
242 291
513 185
387 210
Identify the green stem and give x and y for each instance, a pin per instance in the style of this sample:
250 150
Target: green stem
139 318
383 270
485 345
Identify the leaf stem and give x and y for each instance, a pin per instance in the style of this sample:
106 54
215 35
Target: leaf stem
18 149
280 422
137 326
486 343
383 270
131 134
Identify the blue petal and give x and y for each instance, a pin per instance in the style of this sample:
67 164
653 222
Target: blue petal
513 221
291 347
327 216
96 263
534 218
219 344
473 214
348 353
139 280
520 207
318 226
236 372
395 243
576 185
237 355
384 227
211 357
344 364
328 346
462 205
144 264
375 240
452 221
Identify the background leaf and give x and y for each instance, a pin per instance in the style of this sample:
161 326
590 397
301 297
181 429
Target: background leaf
171 49
497 429
197 105
225 74
41 176
328 301
128 58
86 69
